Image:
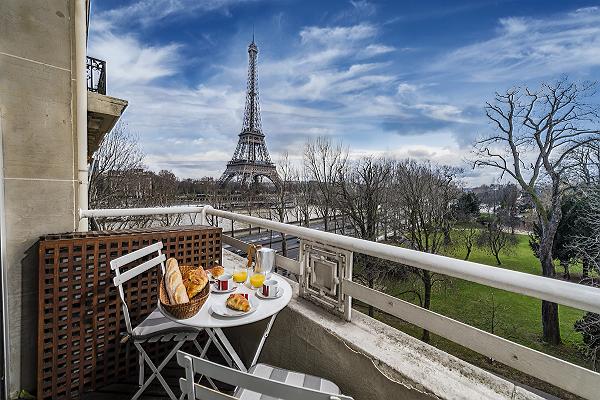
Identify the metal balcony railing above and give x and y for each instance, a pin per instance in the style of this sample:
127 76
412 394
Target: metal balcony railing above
96 75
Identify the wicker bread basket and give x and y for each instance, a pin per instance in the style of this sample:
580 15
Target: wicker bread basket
185 310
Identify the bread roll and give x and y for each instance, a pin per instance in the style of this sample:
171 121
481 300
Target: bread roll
174 283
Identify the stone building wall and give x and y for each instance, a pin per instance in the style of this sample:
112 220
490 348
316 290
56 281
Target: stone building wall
39 154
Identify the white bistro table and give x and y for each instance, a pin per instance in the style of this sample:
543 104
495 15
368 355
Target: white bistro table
213 324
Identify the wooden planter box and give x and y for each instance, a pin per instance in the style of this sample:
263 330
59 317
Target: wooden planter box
80 325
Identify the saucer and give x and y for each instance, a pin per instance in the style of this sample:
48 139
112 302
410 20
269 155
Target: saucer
278 295
213 288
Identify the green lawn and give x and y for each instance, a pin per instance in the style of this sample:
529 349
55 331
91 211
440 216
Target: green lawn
519 317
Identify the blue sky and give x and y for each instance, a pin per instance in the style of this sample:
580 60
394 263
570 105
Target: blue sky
398 78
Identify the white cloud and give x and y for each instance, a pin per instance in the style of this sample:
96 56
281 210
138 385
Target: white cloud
527 48
442 112
404 88
146 12
337 34
377 49
513 25
130 61
363 7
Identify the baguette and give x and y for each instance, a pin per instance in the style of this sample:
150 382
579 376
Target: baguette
174 283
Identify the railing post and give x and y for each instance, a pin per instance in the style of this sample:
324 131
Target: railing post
203 219
345 296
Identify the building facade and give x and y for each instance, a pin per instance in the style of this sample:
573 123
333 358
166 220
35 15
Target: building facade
44 113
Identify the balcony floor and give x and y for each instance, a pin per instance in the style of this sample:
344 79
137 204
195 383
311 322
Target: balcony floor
126 389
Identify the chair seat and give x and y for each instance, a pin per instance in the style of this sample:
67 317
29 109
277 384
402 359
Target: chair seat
157 327
283 375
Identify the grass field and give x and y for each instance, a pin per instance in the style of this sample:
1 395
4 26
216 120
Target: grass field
518 317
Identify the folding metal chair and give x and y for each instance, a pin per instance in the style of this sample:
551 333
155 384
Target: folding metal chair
261 379
156 327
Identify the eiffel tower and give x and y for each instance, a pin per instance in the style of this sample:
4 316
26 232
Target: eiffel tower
251 161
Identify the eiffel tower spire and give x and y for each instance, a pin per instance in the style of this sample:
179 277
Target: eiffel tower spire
251 160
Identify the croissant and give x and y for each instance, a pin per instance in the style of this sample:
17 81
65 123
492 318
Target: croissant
217 271
174 283
194 281
238 302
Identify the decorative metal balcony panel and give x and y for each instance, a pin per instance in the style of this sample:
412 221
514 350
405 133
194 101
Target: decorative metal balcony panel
96 75
323 270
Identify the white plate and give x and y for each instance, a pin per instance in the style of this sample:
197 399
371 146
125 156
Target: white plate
220 308
278 295
213 288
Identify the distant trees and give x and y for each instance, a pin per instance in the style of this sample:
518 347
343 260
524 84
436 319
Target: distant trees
467 207
585 236
537 134
323 161
164 194
362 190
589 327
466 212
467 236
118 179
493 313
304 198
495 239
422 201
114 165
288 175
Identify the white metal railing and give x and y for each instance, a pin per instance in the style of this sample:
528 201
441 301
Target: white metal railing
573 378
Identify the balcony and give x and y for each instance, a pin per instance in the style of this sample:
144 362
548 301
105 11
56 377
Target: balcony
103 111
320 332
96 75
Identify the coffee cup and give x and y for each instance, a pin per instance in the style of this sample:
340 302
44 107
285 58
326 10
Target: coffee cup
269 288
225 282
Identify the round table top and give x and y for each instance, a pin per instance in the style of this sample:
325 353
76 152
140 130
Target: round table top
266 308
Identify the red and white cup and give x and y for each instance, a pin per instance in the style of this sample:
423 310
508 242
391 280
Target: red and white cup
269 288
225 282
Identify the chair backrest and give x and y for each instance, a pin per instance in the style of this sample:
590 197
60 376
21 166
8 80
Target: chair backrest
196 365
121 278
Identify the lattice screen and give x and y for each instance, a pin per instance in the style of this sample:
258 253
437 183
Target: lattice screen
79 317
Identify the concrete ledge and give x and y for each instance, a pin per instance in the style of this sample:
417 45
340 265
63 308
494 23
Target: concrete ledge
103 113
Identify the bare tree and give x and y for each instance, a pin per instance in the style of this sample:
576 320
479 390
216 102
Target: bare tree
467 236
496 239
492 313
288 175
363 187
536 134
164 194
323 161
304 198
424 195
586 161
466 211
589 327
118 155
117 178
586 243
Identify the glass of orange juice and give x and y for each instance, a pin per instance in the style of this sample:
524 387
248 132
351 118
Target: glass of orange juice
240 274
257 280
